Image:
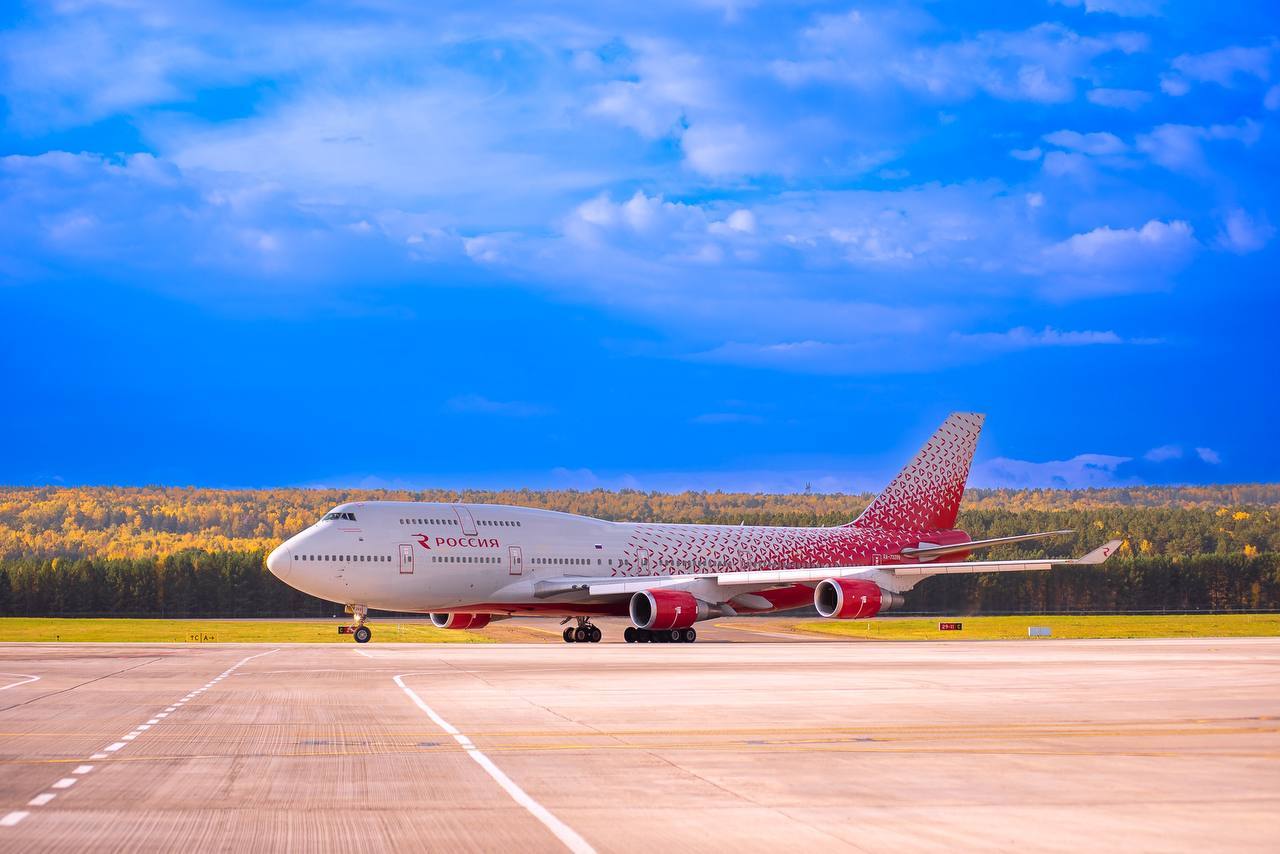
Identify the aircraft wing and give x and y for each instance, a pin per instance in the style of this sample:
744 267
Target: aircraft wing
766 578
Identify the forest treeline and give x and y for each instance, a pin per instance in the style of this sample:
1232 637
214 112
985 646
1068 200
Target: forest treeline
235 584
149 522
199 552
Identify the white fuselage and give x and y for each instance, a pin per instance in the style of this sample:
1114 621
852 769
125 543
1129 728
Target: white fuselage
435 557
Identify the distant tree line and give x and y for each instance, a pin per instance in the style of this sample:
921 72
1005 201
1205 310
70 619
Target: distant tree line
236 584
199 552
147 522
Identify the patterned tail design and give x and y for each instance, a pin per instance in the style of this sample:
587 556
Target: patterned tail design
925 496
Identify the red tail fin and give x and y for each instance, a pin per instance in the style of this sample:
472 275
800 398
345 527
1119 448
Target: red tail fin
925 496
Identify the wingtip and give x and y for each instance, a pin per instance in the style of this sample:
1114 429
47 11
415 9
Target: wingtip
1102 552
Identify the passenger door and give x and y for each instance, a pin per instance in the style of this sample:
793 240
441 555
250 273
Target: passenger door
406 559
516 560
465 518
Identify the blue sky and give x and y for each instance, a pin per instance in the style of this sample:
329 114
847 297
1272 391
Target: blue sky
665 245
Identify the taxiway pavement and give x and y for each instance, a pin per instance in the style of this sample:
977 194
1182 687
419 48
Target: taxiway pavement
1058 745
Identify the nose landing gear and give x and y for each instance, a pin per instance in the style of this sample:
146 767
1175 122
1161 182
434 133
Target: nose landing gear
584 633
361 632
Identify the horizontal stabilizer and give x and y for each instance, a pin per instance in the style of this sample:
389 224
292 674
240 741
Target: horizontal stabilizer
927 550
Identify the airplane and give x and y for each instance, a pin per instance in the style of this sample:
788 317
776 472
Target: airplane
469 564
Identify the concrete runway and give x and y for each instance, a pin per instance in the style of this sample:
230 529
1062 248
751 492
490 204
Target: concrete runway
1056 745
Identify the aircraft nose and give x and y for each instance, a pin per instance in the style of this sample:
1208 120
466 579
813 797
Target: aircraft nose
279 561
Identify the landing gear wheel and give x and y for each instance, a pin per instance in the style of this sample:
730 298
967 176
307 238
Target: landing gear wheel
581 635
630 634
644 636
675 635
362 634
690 636
568 635
595 635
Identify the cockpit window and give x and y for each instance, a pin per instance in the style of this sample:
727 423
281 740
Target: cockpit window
350 517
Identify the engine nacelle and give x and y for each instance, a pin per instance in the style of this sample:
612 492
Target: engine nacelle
667 609
460 621
853 599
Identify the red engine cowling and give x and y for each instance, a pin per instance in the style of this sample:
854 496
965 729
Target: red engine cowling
666 609
460 621
852 599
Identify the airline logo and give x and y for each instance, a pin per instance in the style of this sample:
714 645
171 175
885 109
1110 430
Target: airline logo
424 540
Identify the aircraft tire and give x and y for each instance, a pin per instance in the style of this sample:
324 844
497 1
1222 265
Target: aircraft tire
581 635
596 635
689 636
362 634
630 634
568 636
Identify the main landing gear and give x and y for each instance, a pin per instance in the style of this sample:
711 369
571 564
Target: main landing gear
584 633
361 632
634 635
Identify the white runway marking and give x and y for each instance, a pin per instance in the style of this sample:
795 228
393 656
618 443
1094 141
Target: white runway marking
362 652
25 679
562 831
67 782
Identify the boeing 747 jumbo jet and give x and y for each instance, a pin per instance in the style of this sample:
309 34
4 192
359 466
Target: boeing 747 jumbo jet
469 564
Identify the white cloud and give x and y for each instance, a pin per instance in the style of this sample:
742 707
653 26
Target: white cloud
1272 99
1061 163
1124 99
1032 153
476 404
1243 234
1172 84
1180 148
1079 472
866 50
1123 8
1116 248
728 149
1209 455
1118 260
1225 65
1095 144
1023 338
1164 453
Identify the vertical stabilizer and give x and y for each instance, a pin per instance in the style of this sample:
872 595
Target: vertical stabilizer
925 496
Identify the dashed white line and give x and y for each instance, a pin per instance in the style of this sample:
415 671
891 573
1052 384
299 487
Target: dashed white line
567 835
13 818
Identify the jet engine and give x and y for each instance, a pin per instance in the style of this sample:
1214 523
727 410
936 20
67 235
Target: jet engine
853 599
666 609
460 621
